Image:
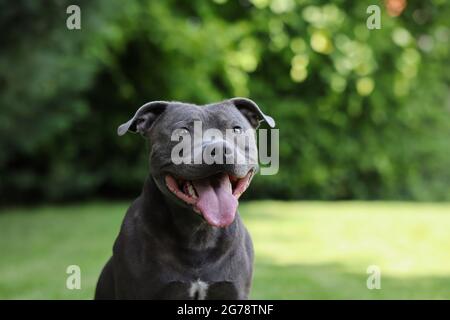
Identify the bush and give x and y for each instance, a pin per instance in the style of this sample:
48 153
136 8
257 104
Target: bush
363 114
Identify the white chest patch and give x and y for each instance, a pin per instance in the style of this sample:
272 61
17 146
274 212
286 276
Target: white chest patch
198 290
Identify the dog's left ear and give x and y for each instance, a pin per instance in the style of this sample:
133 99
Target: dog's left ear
252 112
144 118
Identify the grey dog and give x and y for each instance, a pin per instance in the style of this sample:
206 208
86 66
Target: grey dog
182 238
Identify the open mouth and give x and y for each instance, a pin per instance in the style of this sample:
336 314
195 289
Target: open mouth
215 197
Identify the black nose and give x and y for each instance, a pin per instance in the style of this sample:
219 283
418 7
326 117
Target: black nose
211 148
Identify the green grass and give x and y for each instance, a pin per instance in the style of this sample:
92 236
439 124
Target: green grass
304 250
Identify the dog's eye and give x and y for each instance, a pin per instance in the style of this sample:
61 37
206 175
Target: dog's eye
237 129
183 130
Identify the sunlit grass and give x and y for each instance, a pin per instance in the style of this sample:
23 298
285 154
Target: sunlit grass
315 250
304 250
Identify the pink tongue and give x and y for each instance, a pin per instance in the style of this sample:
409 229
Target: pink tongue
216 201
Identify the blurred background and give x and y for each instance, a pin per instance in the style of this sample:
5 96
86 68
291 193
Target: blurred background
363 115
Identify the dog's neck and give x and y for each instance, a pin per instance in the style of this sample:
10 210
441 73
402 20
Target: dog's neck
182 225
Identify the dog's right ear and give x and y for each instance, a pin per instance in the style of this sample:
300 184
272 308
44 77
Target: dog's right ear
252 112
144 118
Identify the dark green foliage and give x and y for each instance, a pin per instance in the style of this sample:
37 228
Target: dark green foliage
362 114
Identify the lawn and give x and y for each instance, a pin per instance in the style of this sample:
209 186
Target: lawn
304 250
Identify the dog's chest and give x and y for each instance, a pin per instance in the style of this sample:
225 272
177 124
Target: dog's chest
200 290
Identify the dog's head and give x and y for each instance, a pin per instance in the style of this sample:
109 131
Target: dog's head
201 157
